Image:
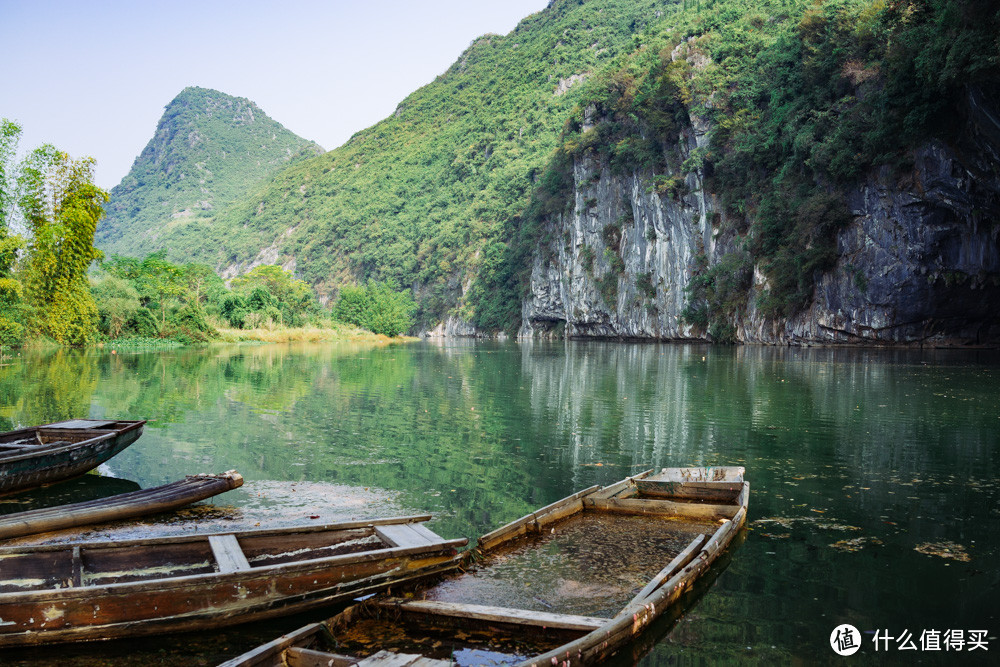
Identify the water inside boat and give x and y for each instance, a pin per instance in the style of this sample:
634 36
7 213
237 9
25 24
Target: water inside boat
591 564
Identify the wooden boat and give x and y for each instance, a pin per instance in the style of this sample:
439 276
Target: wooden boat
39 455
122 506
101 590
458 621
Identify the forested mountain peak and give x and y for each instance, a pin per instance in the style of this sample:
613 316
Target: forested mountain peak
208 149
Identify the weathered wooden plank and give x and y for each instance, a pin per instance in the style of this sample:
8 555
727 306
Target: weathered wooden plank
305 657
558 514
496 614
698 511
389 659
428 534
76 567
679 561
614 489
228 554
722 491
402 535
708 474
82 423
744 496
529 522
126 505
271 652
243 534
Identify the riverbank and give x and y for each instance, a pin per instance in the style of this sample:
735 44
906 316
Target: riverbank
336 332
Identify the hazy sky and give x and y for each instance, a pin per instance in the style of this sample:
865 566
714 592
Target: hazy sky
93 77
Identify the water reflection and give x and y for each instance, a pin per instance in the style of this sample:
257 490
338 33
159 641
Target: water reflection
901 448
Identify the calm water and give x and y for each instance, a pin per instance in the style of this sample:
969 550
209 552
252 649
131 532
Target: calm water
856 460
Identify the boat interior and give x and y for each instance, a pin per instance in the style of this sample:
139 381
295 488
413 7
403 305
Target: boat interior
27 568
541 581
62 433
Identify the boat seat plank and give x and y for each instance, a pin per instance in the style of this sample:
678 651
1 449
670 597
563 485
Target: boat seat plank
497 614
666 507
712 474
389 659
306 657
428 534
404 535
720 491
228 553
82 423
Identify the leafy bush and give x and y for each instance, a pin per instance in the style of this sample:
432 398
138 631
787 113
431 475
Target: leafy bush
235 310
378 307
188 325
117 305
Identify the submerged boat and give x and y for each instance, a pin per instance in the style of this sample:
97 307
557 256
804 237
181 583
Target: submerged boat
103 590
30 457
122 506
566 585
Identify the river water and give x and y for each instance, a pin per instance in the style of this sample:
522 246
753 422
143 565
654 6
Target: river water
873 473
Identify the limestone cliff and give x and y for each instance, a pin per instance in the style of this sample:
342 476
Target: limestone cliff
919 263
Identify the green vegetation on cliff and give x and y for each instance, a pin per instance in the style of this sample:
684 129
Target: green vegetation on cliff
804 98
209 150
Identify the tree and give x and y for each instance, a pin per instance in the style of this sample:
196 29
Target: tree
157 280
11 292
117 304
377 307
61 206
10 135
200 280
293 298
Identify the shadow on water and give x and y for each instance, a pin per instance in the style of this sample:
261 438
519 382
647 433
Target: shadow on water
78 490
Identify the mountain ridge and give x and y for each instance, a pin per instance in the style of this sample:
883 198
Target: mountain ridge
208 149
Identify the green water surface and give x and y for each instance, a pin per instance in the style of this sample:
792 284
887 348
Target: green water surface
856 459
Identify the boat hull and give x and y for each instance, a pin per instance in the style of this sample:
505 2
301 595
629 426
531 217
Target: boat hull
59 593
128 611
87 449
123 506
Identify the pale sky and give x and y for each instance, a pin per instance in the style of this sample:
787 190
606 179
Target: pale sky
93 77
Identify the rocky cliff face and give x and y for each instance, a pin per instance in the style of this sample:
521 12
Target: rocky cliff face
919 264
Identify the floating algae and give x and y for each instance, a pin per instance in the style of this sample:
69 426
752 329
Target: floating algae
855 544
949 550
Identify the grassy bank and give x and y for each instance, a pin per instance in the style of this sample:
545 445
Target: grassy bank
337 332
